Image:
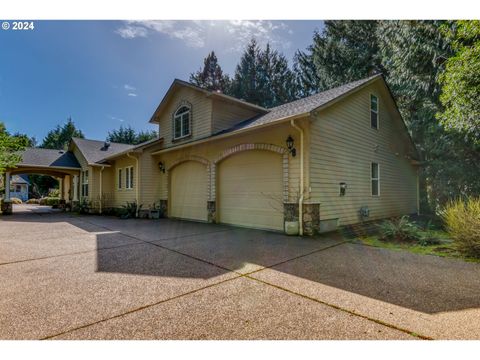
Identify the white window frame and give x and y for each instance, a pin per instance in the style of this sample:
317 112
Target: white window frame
85 176
119 178
180 117
377 179
375 111
129 174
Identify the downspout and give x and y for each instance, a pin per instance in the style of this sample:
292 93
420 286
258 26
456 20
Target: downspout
300 199
137 181
101 191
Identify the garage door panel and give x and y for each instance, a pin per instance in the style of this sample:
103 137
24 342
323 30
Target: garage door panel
251 190
189 191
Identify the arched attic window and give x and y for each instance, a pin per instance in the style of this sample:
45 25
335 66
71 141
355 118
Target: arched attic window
182 122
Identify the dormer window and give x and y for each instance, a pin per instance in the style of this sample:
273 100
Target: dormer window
181 122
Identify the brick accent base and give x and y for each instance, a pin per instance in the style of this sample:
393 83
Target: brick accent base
163 208
311 216
7 208
212 211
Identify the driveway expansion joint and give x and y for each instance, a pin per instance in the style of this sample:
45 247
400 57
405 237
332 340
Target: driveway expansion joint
239 275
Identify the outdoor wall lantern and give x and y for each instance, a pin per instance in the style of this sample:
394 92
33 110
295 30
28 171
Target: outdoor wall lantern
343 188
290 147
161 166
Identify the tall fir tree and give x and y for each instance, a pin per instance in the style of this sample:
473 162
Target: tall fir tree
211 77
60 137
263 77
127 135
346 50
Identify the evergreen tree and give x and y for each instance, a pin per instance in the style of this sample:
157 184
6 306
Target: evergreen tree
461 80
127 135
345 51
263 77
211 77
60 137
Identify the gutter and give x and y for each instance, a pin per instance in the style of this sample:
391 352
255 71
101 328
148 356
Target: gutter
300 200
101 192
137 181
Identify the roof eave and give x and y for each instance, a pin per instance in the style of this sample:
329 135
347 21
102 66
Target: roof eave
232 133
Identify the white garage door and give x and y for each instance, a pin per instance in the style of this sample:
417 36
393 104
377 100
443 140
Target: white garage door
250 190
188 189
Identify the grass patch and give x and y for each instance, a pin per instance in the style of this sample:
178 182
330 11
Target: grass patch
445 248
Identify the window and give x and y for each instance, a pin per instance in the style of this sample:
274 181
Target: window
18 188
374 111
129 177
85 183
119 178
181 123
375 179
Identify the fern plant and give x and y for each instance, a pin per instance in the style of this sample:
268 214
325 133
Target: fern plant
399 229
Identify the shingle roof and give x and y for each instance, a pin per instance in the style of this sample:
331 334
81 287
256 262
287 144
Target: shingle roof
301 106
95 150
18 179
47 157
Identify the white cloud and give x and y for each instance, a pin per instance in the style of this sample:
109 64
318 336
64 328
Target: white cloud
197 34
130 32
132 94
129 87
115 118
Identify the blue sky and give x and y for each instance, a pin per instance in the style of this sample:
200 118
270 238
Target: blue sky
110 73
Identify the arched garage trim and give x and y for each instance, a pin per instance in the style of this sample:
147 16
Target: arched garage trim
183 160
246 147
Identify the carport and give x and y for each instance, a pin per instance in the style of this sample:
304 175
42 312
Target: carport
59 164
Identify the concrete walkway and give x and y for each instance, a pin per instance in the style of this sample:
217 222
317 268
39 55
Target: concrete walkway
90 277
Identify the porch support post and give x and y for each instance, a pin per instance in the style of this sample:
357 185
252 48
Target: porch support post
7 186
61 188
75 187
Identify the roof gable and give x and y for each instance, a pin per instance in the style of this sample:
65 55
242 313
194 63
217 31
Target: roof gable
177 84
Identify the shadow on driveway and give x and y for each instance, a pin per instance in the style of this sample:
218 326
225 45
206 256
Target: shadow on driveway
423 283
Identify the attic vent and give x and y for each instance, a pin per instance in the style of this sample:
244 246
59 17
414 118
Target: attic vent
61 152
106 145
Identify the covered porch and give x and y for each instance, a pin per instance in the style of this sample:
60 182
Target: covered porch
61 165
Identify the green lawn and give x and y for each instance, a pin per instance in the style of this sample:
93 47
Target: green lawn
446 248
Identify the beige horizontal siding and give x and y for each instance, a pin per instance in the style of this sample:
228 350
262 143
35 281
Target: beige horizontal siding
227 114
342 147
201 115
121 196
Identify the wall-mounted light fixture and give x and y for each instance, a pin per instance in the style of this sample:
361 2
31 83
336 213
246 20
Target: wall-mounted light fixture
343 188
161 166
290 147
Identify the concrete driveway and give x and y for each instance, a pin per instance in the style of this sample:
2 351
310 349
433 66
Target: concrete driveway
91 277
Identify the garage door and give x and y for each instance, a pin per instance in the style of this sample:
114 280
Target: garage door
250 190
188 189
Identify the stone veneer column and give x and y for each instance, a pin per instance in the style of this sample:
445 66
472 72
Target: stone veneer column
164 208
311 216
6 203
212 211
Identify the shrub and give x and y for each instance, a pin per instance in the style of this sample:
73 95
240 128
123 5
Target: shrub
462 221
54 193
33 201
399 229
50 201
130 210
83 207
16 200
